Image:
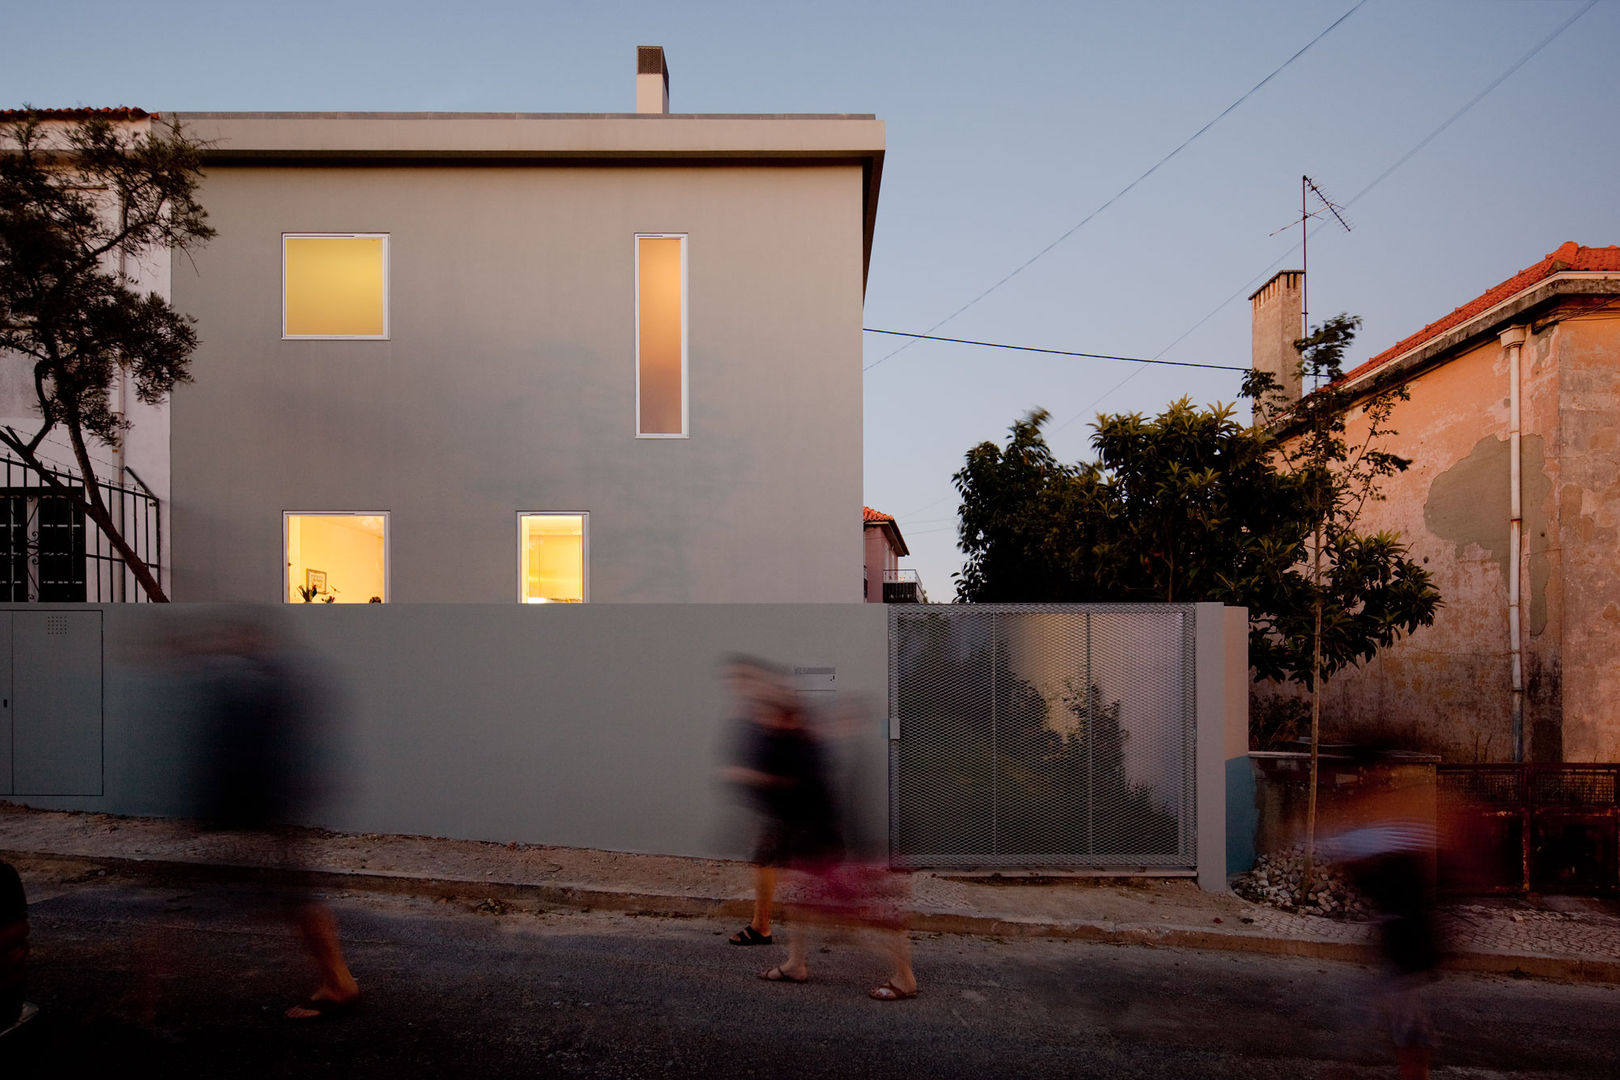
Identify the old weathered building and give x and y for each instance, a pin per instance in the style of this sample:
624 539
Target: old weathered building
1512 502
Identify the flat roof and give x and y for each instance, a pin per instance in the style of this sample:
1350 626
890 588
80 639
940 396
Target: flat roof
628 139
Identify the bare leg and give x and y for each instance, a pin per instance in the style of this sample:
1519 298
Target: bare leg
318 929
796 967
897 944
764 893
798 963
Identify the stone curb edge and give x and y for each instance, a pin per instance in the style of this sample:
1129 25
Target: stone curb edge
1566 969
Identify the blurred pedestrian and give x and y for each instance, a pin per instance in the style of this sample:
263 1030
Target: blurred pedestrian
782 764
1389 855
259 768
13 946
749 682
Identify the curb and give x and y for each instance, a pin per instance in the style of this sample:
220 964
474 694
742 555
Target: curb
587 898
577 896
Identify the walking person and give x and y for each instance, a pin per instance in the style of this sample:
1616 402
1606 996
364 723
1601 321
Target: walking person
1389 855
258 774
782 763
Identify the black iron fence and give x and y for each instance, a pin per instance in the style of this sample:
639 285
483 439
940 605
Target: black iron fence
1516 828
903 587
51 553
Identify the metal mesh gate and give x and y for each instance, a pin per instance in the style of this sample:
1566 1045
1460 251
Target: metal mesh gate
1042 736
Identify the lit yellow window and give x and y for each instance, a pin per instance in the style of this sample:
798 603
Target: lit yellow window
553 570
337 558
661 335
334 286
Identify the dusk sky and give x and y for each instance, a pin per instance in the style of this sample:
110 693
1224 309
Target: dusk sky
1008 125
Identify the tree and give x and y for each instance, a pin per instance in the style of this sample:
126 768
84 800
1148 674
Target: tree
77 204
1340 475
1191 506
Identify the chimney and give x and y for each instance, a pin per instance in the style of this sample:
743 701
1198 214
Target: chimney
652 80
1277 324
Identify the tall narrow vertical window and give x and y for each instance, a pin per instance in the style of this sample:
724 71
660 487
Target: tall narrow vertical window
552 565
660 336
334 285
336 558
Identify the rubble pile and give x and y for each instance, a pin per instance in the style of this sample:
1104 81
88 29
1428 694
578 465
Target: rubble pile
1276 881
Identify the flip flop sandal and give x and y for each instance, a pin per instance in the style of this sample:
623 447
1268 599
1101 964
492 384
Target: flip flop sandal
776 974
749 936
889 992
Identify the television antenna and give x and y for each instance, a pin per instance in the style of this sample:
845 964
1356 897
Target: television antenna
1307 188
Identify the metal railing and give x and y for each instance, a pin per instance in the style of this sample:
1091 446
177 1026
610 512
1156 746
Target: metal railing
903 587
1516 828
51 553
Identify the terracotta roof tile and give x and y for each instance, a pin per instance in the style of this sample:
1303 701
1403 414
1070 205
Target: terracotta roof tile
879 520
1569 256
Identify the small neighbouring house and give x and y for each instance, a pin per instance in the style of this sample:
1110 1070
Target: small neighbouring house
884 581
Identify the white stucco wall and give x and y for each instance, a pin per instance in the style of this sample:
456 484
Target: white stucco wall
508 382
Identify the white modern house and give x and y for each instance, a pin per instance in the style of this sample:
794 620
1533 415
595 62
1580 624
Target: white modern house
501 358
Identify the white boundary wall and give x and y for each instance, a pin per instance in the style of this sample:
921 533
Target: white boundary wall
576 725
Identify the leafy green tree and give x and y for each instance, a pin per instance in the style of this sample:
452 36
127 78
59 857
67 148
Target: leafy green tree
1192 505
79 202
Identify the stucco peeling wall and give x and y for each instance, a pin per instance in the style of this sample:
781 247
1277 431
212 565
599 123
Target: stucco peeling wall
1430 691
1447 688
1469 507
1588 533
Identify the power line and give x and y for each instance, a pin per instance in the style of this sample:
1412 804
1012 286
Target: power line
1021 267
1381 177
1475 100
1051 352
1248 286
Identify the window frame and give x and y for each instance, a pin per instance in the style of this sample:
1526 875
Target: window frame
584 551
387 285
387 539
686 424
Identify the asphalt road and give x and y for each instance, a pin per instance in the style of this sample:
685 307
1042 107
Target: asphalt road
137 977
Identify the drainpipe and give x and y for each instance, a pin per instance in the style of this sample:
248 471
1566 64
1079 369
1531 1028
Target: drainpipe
1513 340
123 380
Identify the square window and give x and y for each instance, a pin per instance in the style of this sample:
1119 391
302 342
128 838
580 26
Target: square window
552 564
661 336
334 285
336 558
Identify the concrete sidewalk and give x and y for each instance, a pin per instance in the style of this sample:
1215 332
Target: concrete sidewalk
1560 938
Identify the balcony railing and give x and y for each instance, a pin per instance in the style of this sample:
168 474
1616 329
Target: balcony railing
49 552
903 587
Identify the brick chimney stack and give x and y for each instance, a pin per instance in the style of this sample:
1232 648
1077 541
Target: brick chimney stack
652 80
1277 324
